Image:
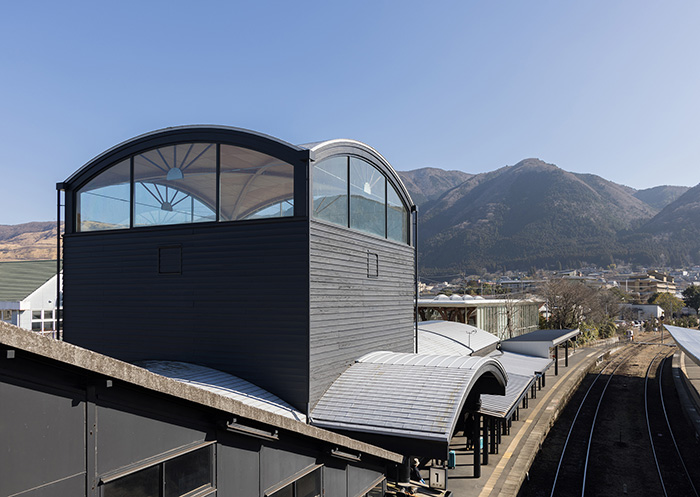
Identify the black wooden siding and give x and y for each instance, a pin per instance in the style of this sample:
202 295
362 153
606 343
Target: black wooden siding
352 312
239 303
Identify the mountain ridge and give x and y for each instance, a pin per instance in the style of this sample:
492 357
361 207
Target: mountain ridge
537 214
531 214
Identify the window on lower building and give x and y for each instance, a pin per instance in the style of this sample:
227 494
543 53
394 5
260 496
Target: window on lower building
307 486
190 474
377 491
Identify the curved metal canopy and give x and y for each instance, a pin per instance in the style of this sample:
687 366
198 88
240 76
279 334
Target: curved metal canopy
387 395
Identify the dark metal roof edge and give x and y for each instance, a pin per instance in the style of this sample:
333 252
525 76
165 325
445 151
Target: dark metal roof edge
346 142
175 131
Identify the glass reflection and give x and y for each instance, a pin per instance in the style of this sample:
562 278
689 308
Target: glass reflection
175 184
367 197
330 190
396 217
103 204
254 185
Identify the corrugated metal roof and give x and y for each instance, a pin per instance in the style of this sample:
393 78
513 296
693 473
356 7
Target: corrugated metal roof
521 364
224 384
407 395
19 279
554 336
450 337
428 360
502 406
688 340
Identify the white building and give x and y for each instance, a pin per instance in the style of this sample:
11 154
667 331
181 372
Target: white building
28 294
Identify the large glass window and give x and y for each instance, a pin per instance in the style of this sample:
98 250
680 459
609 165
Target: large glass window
103 204
330 190
254 185
374 204
175 184
178 184
367 197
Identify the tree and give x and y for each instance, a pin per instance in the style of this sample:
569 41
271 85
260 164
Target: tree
669 303
571 302
567 302
691 297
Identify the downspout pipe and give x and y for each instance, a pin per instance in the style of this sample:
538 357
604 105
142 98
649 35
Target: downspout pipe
414 212
60 187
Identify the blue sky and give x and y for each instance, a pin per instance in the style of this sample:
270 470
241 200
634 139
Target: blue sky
601 87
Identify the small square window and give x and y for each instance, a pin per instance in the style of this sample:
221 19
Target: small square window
170 260
48 314
36 314
372 265
36 325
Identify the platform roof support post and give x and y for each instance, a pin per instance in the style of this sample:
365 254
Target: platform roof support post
477 445
485 438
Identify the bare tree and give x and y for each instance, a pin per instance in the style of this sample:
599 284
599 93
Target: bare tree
512 314
572 302
567 302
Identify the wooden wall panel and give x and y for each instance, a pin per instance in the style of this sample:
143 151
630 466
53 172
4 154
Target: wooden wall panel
353 313
239 304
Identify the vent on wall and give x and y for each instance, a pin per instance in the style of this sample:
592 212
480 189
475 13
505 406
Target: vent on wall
372 265
170 260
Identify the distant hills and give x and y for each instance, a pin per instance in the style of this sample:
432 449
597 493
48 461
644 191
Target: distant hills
29 241
537 215
530 215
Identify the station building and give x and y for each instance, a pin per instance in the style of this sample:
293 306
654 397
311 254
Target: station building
504 318
242 307
277 263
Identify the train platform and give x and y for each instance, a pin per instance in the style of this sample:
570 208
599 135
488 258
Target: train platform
508 468
686 377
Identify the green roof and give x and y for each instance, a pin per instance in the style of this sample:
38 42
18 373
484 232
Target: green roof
19 279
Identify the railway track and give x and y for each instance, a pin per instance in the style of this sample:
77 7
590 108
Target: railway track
603 443
674 476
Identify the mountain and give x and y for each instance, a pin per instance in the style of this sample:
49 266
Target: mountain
660 196
29 241
532 214
529 214
429 183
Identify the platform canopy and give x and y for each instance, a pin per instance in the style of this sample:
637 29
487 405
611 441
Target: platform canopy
409 403
688 340
538 343
523 371
453 338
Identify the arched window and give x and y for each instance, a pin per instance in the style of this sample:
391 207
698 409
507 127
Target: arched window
187 183
351 192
